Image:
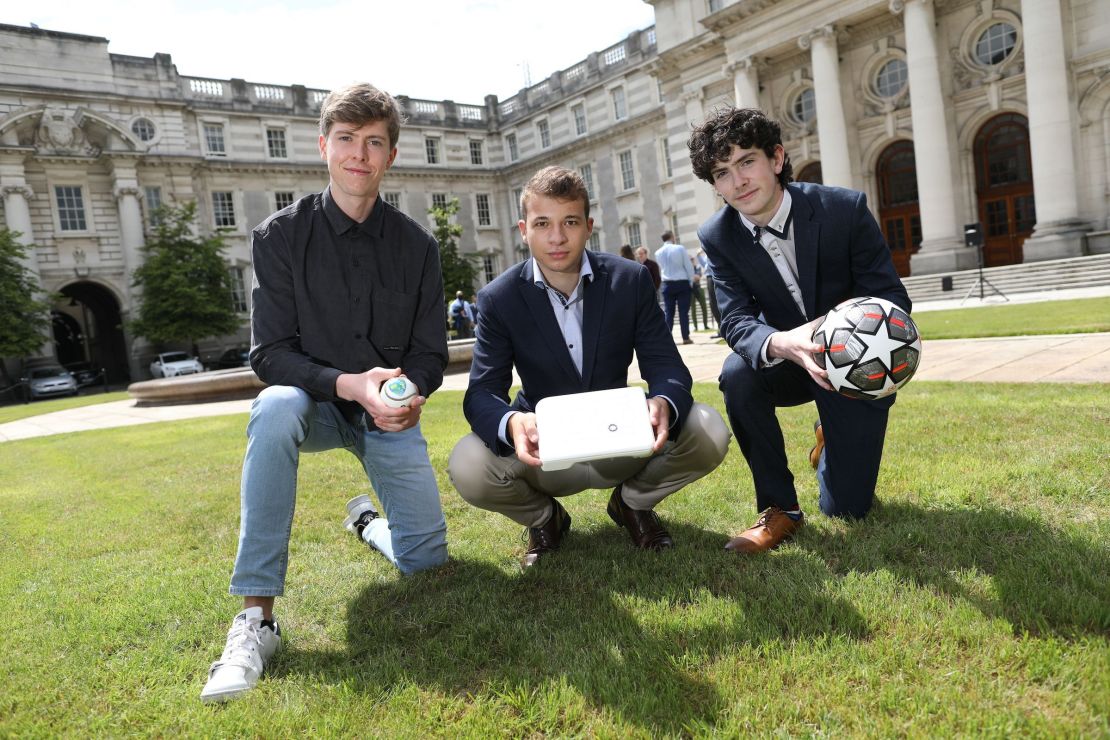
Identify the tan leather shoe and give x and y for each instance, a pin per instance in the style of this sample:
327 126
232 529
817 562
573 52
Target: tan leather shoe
815 453
772 529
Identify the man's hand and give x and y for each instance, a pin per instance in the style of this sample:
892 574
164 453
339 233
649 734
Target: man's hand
659 414
365 388
525 437
797 345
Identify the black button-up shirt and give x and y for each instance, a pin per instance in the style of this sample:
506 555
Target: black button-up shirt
333 296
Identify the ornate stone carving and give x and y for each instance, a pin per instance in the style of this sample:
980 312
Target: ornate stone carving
60 133
24 190
122 191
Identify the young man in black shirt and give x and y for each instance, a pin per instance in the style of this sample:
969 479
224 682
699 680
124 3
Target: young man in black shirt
347 294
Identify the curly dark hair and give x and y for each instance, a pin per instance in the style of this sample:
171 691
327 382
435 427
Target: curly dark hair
747 128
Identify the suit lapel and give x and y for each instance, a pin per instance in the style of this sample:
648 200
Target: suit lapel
539 305
593 309
807 238
761 266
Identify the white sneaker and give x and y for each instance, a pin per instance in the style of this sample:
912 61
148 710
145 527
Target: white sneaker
249 646
360 512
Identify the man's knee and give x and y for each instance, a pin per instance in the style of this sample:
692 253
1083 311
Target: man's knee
279 409
466 468
711 433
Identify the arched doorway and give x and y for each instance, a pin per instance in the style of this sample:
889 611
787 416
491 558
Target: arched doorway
1004 188
810 173
899 211
88 328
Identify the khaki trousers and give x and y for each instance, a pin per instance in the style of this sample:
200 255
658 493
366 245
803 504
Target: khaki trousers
523 493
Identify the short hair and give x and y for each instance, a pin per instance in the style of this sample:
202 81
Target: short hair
747 128
555 182
641 250
668 236
360 104
626 252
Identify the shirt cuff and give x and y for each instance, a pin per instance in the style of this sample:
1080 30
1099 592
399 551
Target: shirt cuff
503 428
764 360
674 411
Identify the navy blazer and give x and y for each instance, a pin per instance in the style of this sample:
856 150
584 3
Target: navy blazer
841 254
517 326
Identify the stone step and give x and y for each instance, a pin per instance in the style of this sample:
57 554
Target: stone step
1075 272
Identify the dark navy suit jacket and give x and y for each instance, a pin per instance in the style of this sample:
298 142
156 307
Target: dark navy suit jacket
517 325
841 254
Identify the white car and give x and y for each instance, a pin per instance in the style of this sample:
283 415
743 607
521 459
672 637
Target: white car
172 364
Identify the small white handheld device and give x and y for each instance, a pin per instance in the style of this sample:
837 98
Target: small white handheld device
398 392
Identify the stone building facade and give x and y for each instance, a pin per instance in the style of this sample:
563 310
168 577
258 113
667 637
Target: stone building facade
91 141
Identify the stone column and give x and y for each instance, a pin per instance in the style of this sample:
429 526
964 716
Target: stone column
17 215
1059 231
942 242
688 188
832 127
126 189
744 74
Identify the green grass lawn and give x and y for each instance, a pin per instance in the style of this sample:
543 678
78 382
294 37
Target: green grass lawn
974 601
1013 319
88 398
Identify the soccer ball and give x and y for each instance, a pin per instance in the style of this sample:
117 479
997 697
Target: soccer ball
870 347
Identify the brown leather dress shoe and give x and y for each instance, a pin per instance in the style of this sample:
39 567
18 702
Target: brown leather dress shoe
643 527
773 528
545 539
815 453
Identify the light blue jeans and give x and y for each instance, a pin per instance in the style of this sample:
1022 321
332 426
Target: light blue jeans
285 422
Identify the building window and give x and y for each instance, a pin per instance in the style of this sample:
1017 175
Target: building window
439 200
634 239
518 193
485 217
804 107
579 114
393 199
674 226
275 143
715 5
995 44
143 128
489 267
595 242
628 175
152 199
214 139
431 150
891 79
665 147
71 208
223 210
620 108
514 153
545 134
587 173
284 199
238 290
810 173
475 152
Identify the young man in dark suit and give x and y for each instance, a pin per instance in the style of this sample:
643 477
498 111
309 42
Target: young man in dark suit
782 256
569 321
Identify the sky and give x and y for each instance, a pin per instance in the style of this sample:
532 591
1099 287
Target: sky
461 50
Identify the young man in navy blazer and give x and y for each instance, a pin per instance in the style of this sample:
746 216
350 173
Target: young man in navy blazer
782 256
569 321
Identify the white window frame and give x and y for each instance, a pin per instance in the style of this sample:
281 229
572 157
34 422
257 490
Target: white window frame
490 221
512 146
480 150
586 172
618 114
594 242
634 236
293 199
225 125
446 197
665 153
490 268
579 104
281 126
543 133
157 130
56 208
515 195
386 197
239 292
625 187
234 226
437 146
148 207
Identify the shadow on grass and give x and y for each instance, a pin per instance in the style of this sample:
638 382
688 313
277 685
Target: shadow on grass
615 624
1045 581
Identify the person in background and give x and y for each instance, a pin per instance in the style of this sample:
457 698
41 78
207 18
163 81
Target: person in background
653 268
677 276
698 296
626 252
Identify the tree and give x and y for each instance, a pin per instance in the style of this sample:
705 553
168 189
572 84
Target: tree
458 270
185 283
24 318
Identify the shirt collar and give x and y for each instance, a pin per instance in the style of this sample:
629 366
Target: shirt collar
342 223
780 222
585 274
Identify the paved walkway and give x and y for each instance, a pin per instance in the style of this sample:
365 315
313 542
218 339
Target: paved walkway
1066 358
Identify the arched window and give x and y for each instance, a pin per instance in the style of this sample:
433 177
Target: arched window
899 212
810 173
1004 187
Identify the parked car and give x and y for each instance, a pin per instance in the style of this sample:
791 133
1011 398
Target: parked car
85 373
51 380
234 357
172 364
